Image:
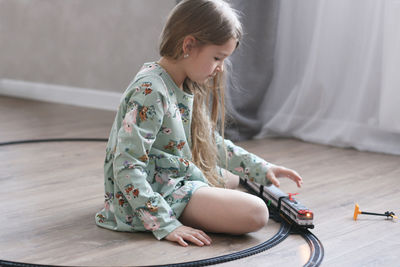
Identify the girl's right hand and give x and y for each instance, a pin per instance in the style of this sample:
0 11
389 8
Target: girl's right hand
183 233
275 171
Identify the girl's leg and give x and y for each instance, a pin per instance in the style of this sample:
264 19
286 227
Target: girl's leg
229 211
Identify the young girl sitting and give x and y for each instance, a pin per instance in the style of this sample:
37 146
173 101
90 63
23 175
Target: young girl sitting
168 170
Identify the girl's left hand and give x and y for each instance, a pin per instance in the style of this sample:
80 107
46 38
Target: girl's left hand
275 171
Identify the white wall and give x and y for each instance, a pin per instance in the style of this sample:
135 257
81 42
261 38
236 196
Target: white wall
79 44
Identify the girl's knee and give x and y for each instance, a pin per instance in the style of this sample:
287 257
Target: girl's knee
258 215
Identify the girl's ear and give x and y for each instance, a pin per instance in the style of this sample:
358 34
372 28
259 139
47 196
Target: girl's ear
189 44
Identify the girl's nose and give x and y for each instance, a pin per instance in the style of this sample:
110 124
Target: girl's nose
220 68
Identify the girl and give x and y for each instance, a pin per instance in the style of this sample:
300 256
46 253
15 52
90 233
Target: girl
167 169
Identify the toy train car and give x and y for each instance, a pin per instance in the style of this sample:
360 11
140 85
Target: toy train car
286 205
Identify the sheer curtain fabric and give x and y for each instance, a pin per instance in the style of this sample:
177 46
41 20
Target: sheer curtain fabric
336 74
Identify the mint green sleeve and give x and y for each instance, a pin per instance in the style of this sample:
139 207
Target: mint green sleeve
241 162
141 122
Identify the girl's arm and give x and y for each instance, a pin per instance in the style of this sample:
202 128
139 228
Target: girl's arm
249 166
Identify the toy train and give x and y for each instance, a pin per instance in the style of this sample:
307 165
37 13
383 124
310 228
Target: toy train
286 205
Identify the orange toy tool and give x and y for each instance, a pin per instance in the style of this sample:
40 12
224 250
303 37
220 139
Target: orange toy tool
387 214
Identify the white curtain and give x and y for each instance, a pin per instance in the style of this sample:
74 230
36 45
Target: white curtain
336 74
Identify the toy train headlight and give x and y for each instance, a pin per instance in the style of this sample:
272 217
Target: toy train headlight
306 214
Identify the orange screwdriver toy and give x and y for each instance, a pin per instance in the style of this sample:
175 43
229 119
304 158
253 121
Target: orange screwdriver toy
387 214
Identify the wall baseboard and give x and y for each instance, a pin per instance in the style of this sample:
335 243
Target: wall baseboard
60 94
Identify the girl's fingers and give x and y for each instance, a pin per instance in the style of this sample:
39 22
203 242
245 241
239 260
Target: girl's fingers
199 238
294 176
272 178
278 171
193 236
193 239
182 242
203 237
183 233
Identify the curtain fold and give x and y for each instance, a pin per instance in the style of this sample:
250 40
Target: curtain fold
389 104
252 66
335 75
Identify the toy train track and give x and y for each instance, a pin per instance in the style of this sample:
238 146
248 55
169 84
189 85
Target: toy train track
293 216
285 209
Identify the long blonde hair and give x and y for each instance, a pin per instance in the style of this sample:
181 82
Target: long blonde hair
210 22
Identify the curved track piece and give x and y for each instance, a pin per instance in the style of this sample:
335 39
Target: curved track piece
317 250
316 247
283 232
20 264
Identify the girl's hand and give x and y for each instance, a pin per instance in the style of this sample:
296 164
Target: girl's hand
279 171
183 233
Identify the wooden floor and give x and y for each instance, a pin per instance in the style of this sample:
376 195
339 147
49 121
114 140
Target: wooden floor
50 192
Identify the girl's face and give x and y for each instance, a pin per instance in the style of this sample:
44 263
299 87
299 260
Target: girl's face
206 61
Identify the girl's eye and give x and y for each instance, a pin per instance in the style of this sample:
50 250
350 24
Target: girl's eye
217 59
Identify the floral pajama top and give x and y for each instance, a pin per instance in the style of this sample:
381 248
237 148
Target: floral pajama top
148 174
